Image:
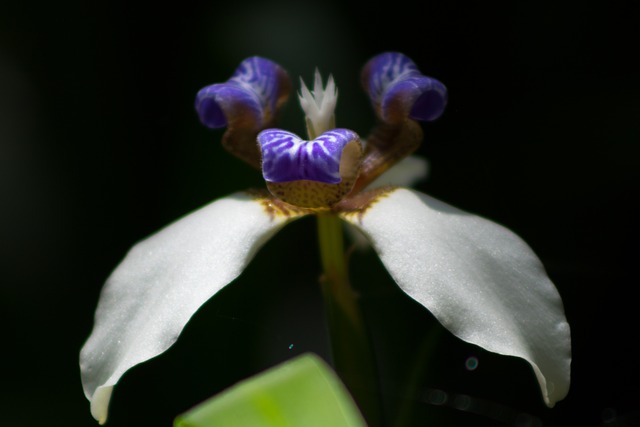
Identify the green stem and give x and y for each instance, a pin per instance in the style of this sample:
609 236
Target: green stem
416 377
350 345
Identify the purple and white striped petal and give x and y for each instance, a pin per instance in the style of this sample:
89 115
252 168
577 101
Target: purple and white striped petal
286 157
261 76
398 90
252 94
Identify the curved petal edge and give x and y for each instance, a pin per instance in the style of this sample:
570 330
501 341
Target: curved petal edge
163 281
480 280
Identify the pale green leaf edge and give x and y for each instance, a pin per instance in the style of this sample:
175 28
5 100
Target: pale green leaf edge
303 391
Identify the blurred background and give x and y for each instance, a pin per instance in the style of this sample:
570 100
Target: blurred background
100 146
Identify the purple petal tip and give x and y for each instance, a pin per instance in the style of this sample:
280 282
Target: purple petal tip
209 111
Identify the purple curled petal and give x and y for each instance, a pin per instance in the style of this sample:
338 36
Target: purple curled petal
252 95
398 90
218 104
286 157
421 98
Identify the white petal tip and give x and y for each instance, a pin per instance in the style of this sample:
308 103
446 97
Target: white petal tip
553 396
100 403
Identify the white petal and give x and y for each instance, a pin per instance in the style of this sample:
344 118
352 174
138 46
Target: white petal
405 173
480 280
163 280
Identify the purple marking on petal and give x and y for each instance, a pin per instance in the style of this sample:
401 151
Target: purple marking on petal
385 69
253 88
286 157
397 88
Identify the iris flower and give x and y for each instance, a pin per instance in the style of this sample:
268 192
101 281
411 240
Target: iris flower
481 281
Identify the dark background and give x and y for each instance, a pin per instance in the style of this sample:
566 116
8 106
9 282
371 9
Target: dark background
100 146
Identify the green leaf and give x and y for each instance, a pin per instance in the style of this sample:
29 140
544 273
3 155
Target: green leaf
300 392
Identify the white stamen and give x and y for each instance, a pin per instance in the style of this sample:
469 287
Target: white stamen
319 105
